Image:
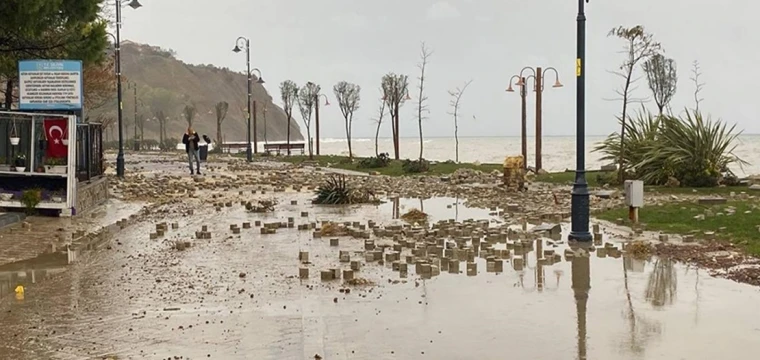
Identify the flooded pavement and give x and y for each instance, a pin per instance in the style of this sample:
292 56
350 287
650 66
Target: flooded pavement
239 296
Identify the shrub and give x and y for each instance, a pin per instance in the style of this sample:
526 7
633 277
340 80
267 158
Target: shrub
334 191
692 149
415 166
31 198
607 178
381 161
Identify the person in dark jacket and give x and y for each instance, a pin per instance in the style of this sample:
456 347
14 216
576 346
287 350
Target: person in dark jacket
191 139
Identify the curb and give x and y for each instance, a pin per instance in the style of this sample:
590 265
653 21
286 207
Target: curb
10 219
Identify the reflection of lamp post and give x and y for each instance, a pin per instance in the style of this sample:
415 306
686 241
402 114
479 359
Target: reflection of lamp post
538 88
581 284
247 44
580 196
120 157
316 108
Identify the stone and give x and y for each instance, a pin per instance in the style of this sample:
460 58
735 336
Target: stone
336 273
303 273
246 225
236 230
518 263
609 167
712 201
663 237
453 266
303 256
356 265
754 187
344 256
334 242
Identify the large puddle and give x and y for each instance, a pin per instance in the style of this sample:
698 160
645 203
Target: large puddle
238 296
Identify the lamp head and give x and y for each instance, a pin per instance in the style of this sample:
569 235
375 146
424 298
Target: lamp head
510 89
557 84
520 82
134 4
260 80
327 102
407 97
236 49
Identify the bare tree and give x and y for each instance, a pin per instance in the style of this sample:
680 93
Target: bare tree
289 95
395 94
221 109
639 46
348 96
379 121
422 107
662 77
189 113
161 118
307 99
456 100
696 72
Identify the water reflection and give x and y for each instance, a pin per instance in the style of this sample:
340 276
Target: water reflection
27 272
662 283
581 285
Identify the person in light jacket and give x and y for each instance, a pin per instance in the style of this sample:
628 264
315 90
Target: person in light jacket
191 139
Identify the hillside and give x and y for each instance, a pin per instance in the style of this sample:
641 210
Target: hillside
167 84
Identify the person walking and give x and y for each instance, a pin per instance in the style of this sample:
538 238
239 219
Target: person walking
191 139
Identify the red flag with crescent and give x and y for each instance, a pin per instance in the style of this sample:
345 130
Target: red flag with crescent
55 132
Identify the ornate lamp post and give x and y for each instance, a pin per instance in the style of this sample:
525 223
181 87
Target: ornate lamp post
316 108
245 42
120 157
580 196
538 88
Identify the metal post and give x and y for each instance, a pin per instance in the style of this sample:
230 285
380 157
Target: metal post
539 92
120 156
524 122
134 87
580 196
316 113
248 154
255 137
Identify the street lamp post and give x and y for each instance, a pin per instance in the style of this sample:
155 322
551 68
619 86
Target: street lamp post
580 196
247 43
538 88
120 157
316 109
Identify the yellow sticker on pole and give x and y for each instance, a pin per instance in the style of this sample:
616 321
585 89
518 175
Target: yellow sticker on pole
578 67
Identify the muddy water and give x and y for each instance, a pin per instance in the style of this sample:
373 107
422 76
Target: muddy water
238 297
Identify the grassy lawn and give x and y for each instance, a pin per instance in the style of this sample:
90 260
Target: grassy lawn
593 176
678 218
394 169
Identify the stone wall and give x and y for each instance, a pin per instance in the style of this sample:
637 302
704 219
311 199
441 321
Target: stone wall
90 194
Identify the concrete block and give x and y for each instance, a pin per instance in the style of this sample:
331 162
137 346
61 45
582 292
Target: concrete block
403 267
246 225
435 270
344 256
304 214
472 269
453 266
348 274
336 273
303 256
153 236
518 263
257 223
369 256
303 273
663 237
326 275
356 265
334 242
236 230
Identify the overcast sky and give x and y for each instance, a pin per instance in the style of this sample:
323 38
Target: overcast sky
487 41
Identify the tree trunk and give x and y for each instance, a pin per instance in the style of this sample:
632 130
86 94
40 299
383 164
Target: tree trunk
621 161
349 120
377 136
456 140
218 136
8 94
288 141
396 132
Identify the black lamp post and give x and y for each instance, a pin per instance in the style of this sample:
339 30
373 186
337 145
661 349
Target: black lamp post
580 196
120 157
247 43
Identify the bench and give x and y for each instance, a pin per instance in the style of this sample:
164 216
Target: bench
284 147
226 147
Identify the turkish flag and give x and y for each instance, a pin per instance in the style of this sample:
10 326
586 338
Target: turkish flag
55 132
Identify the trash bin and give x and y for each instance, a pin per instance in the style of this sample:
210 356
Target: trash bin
136 145
203 152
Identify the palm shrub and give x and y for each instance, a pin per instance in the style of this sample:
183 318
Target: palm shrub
640 135
694 149
334 191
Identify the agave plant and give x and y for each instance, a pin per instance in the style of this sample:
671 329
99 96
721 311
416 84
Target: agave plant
334 191
641 134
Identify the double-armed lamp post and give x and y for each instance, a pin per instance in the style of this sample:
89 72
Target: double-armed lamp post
538 87
245 42
120 157
580 196
316 113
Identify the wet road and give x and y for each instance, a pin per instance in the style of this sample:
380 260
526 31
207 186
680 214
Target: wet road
239 297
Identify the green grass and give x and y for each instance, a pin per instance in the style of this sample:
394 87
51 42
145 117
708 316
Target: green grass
592 177
394 169
678 218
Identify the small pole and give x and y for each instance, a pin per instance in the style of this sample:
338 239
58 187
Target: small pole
539 97
524 128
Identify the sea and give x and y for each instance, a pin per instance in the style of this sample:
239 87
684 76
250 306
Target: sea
558 151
